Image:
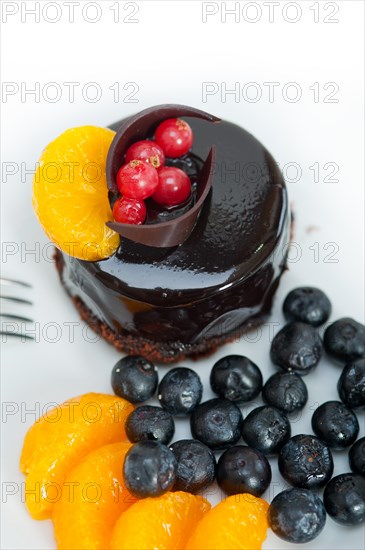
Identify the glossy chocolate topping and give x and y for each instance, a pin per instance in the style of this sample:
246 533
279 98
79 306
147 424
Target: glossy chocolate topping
224 273
238 229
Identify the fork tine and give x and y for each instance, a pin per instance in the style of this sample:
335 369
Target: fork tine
14 282
16 317
9 282
16 335
18 300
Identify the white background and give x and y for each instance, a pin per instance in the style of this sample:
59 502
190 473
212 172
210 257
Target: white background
169 53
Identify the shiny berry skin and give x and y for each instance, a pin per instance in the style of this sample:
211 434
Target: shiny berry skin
335 424
236 378
129 211
344 499
266 429
148 151
287 511
296 347
174 136
344 340
149 469
308 305
180 391
216 423
149 422
357 457
134 378
305 462
137 180
351 384
241 469
195 466
285 391
174 186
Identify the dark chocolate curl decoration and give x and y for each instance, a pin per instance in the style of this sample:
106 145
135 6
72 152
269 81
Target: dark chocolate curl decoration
136 128
176 231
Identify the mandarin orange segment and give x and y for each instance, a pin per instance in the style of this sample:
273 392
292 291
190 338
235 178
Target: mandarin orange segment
164 522
61 437
93 497
238 523
70 194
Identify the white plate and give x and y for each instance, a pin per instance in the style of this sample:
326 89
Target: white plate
169 54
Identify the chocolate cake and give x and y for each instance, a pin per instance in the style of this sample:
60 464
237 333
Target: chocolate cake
168 302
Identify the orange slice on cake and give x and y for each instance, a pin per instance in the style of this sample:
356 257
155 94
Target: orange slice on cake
70 193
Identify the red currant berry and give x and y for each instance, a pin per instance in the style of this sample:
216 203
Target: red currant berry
174 136
174 186
129 211
137 179
148 151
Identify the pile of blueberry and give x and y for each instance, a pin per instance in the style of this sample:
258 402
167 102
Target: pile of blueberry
305 461
144 174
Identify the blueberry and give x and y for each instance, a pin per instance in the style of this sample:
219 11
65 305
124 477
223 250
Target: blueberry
180 391
357 457
236 378
216 423
344 340
195 466
335 424
351 384
241 469
305 462
308 305
297 515
149 469
148 422
134 378
266 429
344 499
296 347
285 391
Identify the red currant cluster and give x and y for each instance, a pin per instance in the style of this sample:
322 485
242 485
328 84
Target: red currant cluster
145 175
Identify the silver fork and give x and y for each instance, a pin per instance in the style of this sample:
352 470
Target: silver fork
11 316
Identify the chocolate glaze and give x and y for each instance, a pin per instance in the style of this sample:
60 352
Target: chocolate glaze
224 275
